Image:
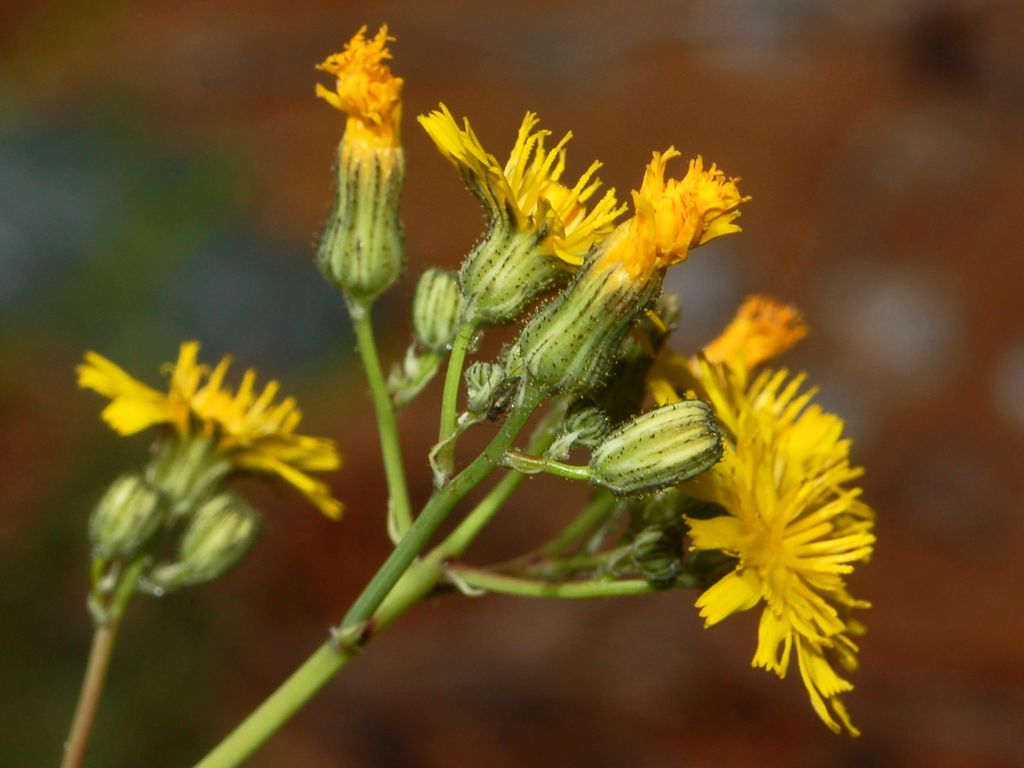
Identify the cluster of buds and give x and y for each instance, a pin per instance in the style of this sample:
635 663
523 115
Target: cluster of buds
175 523
735 467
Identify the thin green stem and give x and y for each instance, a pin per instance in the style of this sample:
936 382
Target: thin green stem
435 512
400 507
466 531
399 576
89 698
531 465
571 590
107 619
450 397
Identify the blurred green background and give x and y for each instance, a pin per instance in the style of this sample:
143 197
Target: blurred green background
164 170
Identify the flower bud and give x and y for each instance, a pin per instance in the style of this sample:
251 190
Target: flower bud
126 518
218 535
486 385
187 471
658 449
362 246
572 343
657 553
435 309
504 273
587 422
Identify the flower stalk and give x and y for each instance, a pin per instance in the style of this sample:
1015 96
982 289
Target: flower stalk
446 436
362 620
399 505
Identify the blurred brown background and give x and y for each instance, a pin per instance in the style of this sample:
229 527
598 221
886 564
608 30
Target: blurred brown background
164 169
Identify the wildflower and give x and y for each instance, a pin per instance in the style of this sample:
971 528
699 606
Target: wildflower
793 522
248 430
362 246
366 90
762 329
571 344
539 229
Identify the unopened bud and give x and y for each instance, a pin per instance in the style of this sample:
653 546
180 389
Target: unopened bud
187 471
126 518
218 535
362 247
658 449
486 385
589 423
571 344
504 273
657 553
436 306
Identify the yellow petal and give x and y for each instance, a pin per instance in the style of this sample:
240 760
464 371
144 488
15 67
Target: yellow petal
738 591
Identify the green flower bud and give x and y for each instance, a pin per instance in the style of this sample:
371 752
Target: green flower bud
126 518
572 343
362 246
504 273
658 553
218 536
486 386
435 309
658 449
187 471
589 423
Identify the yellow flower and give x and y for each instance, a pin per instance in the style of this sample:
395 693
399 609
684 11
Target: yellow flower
250 430
794 524
571 344
526 192
762 329
673 216
366 90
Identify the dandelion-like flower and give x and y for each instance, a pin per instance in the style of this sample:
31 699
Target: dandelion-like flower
795 525
539 227
248 429
762 329
527 192
672 216
365 90
571 344
362 247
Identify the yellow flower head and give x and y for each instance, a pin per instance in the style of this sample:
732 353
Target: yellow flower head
366 90
795 526
673 216
526 191
763 328
250 430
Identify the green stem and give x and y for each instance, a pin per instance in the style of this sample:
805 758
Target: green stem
436 510
390 448
571 590
371 610
531 465
457 541
89 699
107 619
450 397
